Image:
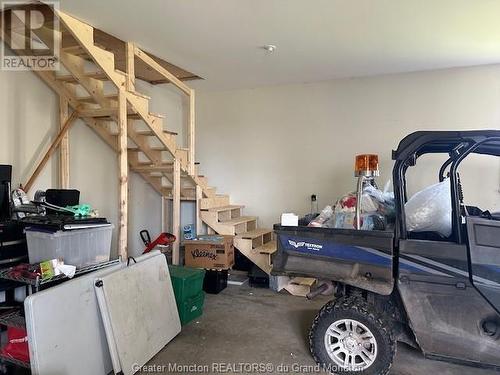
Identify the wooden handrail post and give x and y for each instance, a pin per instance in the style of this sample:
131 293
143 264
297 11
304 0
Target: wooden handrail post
130 62
191 133
176 216
50 151
199 196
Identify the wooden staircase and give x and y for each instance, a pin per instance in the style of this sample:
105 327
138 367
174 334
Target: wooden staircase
255 243
105 98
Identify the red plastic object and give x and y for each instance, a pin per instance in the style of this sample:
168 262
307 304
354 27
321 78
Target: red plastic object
163 239
17 346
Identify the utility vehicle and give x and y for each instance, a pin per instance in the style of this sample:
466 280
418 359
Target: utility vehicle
441 295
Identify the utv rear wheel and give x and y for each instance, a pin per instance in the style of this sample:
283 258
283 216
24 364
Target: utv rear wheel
349 336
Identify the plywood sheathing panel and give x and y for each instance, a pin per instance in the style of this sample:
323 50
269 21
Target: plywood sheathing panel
142 70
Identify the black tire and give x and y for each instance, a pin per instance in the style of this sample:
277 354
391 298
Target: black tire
357 309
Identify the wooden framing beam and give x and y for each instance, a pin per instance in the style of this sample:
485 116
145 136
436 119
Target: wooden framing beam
123 174
130 64
64 147
62 132
164 215
199 196
191 133
176 215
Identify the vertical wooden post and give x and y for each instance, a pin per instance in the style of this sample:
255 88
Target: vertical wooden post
191 133
199 196
64 146
176 216
163 215
123 178
130 58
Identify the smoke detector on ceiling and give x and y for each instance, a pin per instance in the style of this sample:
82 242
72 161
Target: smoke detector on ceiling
269 48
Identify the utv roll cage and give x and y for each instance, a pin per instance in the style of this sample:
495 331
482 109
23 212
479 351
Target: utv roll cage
457 144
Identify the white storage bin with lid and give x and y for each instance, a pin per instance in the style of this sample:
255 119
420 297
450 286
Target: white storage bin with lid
79 247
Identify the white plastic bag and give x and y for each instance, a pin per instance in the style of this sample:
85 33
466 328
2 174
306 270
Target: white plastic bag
429 210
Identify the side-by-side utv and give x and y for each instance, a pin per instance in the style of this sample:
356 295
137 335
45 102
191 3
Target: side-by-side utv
439 294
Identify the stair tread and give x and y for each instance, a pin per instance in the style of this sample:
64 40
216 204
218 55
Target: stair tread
218 196
90 99
165 163
151 168
74 50
250 235
137 116
99 74
239 220
225 208
151 133
140 95
268 248
107 117
159 115
115 97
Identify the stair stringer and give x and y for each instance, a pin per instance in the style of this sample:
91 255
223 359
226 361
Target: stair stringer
83 34
245 246
261 260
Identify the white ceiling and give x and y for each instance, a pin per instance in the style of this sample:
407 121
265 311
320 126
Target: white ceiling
317 39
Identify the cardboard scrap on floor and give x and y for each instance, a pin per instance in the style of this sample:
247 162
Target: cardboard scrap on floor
296 286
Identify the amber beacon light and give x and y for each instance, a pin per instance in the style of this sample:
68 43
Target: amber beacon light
366 166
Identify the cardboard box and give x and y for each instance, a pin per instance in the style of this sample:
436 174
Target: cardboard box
212 252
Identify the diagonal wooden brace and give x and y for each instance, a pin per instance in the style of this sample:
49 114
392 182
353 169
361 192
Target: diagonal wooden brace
62 132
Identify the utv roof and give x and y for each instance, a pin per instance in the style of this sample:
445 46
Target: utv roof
424 142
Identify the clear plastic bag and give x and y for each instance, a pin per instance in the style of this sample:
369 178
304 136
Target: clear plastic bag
384 201
429 210
325 215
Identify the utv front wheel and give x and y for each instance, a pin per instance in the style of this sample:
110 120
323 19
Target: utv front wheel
348 336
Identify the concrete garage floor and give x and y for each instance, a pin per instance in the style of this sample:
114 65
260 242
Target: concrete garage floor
253 325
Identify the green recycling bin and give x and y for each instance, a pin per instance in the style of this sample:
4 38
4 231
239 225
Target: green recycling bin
188 289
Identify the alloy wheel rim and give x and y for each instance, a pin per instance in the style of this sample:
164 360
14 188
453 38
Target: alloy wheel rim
350 345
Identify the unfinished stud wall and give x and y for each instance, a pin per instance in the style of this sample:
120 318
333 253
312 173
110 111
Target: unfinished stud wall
272 147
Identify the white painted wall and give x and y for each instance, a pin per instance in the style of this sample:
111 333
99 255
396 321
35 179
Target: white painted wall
272 147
